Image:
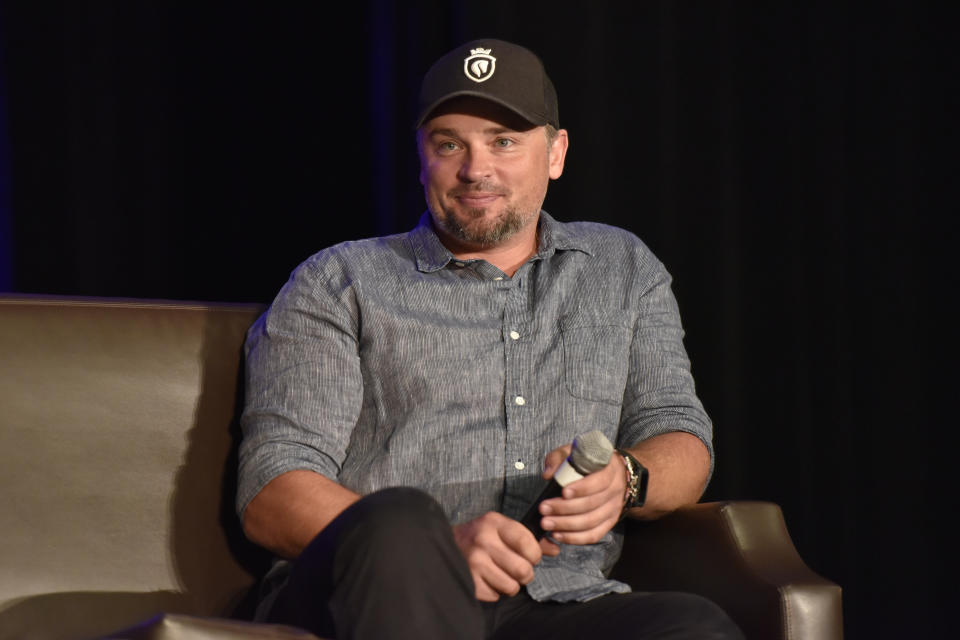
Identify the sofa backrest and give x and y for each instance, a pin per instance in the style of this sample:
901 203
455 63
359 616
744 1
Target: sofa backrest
118 429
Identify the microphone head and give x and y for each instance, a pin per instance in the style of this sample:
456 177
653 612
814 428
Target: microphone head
591 452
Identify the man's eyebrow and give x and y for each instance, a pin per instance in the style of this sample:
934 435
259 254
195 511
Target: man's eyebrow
490 131
442 132
497 130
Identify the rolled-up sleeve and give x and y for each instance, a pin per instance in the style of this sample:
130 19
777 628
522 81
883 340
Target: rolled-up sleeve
660 396
304 387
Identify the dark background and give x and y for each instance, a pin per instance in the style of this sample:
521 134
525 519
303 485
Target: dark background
789 162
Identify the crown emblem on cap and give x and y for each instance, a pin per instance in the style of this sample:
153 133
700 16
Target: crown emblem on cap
479 65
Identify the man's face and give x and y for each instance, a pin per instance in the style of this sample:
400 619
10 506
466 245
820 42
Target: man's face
485 171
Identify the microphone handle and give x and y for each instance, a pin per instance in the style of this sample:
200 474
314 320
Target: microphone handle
564 475
531 519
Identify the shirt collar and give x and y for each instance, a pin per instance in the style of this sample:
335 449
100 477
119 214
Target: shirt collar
431 255
557 236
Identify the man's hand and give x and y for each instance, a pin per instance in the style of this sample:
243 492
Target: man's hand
590 507
501 554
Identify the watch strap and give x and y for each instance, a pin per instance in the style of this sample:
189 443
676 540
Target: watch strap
637 479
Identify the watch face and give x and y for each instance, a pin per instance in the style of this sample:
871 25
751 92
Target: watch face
642 477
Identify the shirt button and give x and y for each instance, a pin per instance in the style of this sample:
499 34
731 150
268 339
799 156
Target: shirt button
460 264
520 400
498 278
518 465
514 335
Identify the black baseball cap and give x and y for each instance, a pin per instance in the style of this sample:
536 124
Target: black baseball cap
505 73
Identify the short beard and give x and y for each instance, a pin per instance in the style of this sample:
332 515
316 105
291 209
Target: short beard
504 227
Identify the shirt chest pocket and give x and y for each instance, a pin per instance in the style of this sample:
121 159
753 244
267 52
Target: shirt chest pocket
596 359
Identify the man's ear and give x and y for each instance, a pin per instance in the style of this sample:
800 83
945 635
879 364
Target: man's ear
557 153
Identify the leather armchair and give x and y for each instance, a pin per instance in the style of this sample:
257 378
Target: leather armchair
117 460
740 555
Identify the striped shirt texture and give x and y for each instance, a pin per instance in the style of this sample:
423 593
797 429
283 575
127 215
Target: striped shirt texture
389 362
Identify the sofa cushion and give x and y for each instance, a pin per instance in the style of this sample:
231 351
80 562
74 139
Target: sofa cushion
117 440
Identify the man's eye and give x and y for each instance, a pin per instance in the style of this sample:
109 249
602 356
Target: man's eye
448 146
503 142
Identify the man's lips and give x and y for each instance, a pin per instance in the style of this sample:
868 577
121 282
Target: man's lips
475 199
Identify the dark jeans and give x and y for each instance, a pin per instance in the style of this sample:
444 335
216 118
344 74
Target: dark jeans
388 567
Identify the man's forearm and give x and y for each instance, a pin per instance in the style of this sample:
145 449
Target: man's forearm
292 509
678 464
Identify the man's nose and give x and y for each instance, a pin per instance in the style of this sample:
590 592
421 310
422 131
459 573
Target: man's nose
477 164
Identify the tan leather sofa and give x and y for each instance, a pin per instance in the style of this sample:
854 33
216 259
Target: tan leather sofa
117 451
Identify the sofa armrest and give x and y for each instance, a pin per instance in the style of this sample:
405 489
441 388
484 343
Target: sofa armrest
740 555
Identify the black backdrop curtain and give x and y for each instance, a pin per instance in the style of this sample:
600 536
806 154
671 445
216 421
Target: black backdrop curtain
787 161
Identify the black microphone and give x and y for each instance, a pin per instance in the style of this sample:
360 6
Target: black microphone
590 452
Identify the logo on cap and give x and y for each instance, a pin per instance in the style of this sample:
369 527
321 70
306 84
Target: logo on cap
479 65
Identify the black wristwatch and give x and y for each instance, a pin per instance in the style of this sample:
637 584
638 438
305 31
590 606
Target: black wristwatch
637 477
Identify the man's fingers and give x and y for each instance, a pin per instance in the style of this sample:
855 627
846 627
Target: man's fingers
515 567
590 507
607 499
519 540
590 536
581 521
603 489
568 506
580 514
549 548
489 576
583 526
500 552
612 475
554 459
497 579
489 585
483 591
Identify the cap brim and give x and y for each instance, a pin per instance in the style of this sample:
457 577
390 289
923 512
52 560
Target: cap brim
484 96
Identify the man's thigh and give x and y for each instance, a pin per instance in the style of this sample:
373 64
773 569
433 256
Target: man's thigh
387 567
637 616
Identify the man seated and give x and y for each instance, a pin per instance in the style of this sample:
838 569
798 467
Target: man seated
409 396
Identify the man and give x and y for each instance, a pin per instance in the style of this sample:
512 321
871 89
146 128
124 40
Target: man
404 393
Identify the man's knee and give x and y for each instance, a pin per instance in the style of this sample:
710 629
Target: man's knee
385 556
391 528
385 533
393 514
400 502
699 616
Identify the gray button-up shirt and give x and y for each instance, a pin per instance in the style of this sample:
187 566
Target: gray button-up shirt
388 362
